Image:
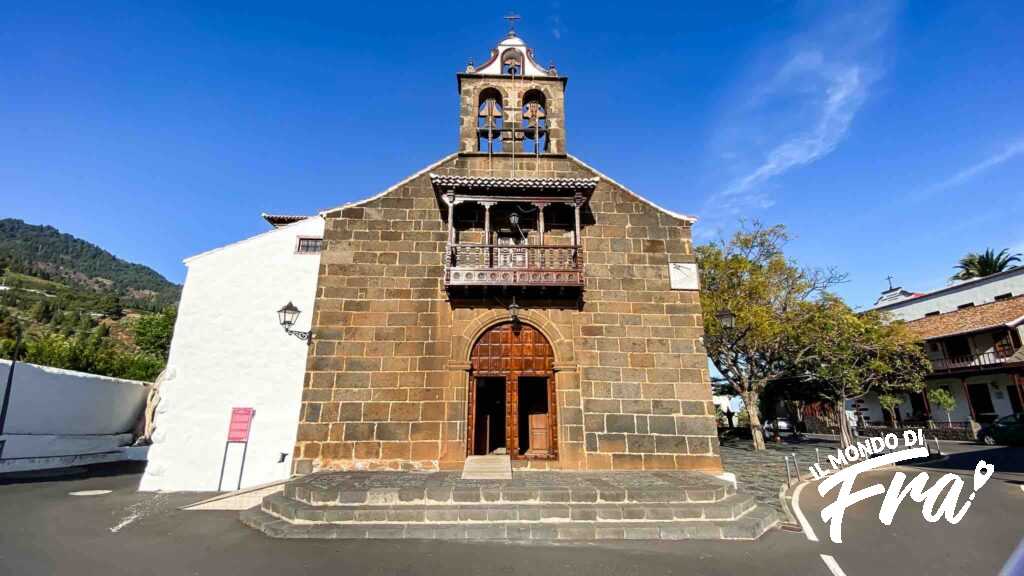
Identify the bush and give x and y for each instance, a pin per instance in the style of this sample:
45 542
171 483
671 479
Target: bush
92 354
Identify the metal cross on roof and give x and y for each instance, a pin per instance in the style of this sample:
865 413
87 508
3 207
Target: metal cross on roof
889 278
512 17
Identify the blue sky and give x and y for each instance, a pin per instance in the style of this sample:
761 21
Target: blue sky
888 137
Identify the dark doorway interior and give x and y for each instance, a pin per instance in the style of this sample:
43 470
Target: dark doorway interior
958 347
981 400
534 426
917 405
489 433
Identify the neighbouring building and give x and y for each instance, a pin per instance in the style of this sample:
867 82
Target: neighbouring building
973 333
230 352
506 299
905 305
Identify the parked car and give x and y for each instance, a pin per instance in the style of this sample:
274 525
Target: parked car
784 425
1006 430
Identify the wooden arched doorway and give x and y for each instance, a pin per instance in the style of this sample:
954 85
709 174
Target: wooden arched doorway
512 400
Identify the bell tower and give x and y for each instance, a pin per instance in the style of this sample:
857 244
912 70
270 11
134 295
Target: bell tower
510 105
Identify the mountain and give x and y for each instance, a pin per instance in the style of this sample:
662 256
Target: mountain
45 252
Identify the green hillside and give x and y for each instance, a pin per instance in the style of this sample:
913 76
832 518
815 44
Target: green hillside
47 253
79 307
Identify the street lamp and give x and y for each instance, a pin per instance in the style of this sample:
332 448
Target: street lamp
287 316
726 318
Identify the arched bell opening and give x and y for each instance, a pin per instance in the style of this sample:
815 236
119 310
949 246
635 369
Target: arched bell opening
534 123
490 121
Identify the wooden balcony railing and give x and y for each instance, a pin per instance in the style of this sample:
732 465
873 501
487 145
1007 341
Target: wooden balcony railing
948 363
494 265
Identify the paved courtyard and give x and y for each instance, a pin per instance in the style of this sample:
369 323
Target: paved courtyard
761 474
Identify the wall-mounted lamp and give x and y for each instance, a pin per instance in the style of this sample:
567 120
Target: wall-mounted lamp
513 311
287 316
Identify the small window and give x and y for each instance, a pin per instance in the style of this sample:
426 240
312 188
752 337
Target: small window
968 305
1006 296
309 246
932 313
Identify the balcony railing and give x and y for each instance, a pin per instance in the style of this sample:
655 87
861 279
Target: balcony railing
494 265
948 363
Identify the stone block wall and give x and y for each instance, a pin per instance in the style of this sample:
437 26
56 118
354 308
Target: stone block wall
387 375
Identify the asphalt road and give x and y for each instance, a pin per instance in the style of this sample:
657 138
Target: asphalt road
45 530
980 543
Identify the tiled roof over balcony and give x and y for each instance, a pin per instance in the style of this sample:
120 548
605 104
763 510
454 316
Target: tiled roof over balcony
974 319
447 182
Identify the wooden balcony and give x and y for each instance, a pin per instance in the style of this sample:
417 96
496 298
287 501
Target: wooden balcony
967 362
493 265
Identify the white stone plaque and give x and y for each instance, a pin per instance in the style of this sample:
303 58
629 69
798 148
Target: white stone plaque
683 276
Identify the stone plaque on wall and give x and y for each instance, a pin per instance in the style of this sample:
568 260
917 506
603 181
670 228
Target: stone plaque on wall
683 276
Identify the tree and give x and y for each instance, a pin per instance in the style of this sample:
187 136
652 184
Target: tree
153 332
847 355
988 262
750 278
889 402
943 399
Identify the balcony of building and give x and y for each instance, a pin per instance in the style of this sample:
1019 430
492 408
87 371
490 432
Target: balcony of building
978 351
514 232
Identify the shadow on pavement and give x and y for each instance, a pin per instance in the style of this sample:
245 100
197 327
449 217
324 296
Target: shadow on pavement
104 470
1006 459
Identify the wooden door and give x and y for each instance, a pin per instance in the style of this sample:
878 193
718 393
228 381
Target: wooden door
515 351
539 433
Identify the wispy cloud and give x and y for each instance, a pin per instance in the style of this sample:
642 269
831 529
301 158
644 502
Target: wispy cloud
1011 151
555 20
842 95
794 109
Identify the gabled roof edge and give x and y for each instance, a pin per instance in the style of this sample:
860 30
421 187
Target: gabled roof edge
676 215
393 187
186 261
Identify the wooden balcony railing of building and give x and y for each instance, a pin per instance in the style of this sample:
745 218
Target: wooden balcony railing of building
490 263
525 265
950 363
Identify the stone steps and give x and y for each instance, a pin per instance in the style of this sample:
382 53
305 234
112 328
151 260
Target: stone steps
749 527
729 508
670 505
380 488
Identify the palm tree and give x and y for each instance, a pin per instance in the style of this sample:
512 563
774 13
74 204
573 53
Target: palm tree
978 265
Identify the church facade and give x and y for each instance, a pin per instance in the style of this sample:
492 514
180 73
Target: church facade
507 299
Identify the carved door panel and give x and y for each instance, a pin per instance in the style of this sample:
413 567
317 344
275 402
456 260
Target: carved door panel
522 356
511 410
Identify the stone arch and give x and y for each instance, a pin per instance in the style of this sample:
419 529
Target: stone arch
561 346
549 98
485 87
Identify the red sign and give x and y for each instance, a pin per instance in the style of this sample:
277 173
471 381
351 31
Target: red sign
241 421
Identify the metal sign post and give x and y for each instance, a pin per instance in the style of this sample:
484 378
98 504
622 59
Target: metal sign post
238 433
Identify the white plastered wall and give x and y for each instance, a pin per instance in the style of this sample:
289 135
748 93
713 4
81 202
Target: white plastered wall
54 412
230 351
